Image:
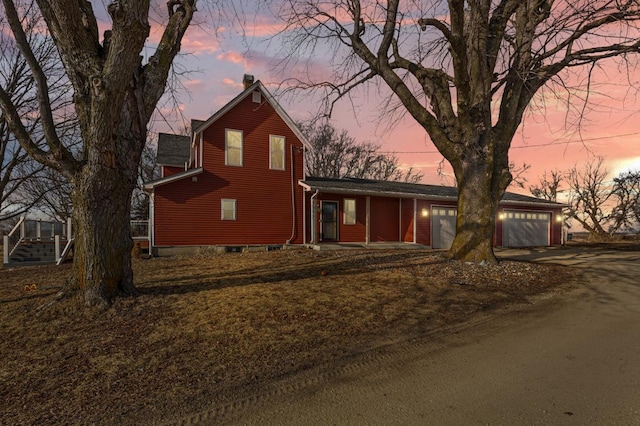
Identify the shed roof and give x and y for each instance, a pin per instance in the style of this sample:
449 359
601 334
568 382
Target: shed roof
173 150
407 190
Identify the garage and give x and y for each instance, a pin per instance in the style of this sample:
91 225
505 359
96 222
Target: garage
443 222
526 229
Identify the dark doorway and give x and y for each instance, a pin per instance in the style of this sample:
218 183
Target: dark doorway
329 222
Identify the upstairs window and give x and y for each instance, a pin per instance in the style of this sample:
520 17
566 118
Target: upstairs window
276 152
349 211
233 148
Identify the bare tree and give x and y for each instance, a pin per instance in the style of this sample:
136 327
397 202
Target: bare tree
626 190
17 168
519 180
466 71
335 154
588 196
51 193
114 95
147 172
549 185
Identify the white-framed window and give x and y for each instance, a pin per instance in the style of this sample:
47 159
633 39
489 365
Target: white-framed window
256 97
233 147
228 208
276 152
349 211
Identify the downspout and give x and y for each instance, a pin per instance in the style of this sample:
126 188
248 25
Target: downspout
293 200
304 218
151 226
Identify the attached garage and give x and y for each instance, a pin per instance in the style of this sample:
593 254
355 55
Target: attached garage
427 214
443 222
526 229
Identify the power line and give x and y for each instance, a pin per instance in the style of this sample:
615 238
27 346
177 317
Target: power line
527 146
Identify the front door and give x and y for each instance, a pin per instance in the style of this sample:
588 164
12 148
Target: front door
329 221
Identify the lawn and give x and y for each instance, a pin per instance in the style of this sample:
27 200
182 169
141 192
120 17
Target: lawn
208 328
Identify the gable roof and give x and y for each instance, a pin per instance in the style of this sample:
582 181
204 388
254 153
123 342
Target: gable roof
269 98
173 150
406 190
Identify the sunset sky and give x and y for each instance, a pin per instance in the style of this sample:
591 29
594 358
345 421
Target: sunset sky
218 58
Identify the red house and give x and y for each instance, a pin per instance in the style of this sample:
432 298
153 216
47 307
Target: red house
239 180
234 182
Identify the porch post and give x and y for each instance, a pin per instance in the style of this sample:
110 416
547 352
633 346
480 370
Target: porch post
314 218
38 229
368 221
415 220
400 236
23 229
56 240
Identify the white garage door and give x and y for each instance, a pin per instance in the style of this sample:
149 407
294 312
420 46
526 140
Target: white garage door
526 229
443 220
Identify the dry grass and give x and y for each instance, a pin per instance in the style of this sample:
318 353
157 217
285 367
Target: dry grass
205 328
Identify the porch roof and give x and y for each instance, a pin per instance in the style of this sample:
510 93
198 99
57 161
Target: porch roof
407 190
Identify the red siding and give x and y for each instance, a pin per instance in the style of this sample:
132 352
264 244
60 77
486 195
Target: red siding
171 170
347 233
407 220
189 213
385 218
423 231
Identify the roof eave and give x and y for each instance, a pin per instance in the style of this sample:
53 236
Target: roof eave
375 193
150 186
310 187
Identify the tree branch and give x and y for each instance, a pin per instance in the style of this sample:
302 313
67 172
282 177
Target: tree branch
60 154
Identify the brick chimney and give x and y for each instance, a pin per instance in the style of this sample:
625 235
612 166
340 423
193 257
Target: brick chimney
247 80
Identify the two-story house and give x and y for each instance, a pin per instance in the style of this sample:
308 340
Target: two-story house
238 180
234 181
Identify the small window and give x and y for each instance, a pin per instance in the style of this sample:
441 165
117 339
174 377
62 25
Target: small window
276 152
349 211
228 208
256 97
233 148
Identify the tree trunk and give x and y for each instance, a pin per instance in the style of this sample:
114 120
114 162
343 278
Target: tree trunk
480 188
103 243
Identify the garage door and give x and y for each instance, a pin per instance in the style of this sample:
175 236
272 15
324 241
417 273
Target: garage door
443 220
526 229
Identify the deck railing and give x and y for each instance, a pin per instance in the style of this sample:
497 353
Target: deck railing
57 232
139 229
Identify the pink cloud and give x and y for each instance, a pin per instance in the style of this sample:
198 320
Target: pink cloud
232 83
233 57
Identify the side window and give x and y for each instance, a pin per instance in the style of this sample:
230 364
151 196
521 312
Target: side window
228 208
349 208
233 148
276 152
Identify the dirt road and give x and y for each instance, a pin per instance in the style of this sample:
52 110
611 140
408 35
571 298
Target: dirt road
571 359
